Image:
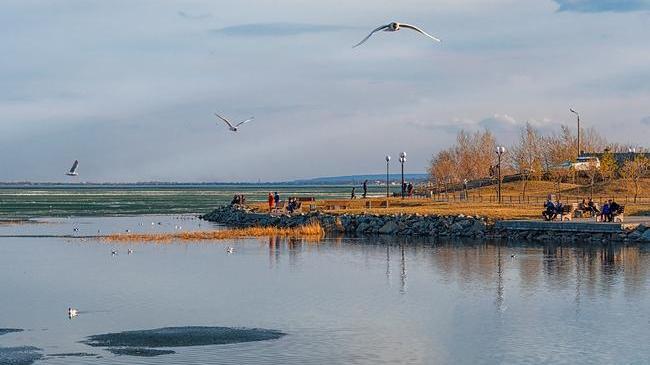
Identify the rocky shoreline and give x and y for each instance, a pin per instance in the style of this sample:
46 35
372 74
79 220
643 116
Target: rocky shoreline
416 225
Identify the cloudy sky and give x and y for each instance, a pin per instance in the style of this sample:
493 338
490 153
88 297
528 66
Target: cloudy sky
130 87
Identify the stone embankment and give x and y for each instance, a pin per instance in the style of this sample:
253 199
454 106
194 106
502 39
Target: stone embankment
436 226
391 224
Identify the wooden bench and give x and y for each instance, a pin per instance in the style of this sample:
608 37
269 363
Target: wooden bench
620 214
567 213
304 199
336 206
376 204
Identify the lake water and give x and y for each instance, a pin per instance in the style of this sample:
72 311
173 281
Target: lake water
100 200
373 300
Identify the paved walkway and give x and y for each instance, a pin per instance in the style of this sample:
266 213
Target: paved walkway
585 225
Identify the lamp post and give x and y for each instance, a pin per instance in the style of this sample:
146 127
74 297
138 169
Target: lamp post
387 178
500 151
402 159
578 116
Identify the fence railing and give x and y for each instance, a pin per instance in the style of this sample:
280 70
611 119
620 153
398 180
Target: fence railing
534 199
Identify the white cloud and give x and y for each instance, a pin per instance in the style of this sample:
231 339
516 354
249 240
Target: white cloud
125 83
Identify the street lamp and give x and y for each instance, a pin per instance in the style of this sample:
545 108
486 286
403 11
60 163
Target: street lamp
402 159
500 151
387 178
578 116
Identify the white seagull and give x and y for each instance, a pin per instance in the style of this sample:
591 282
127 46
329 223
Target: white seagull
72 312
234 128
230 250
394 27
73 170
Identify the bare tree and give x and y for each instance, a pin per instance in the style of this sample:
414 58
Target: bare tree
633 170
443 168
526 155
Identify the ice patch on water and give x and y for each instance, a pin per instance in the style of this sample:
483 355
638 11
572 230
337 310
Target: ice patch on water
138 351
4 331
182 336
24 355
73 354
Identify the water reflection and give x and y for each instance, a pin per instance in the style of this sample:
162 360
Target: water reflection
402 277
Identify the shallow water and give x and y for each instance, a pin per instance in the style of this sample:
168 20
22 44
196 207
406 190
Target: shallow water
340 301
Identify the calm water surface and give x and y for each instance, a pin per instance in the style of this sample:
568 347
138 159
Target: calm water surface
341 301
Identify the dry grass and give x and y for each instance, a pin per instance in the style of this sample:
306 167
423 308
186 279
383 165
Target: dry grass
308 230
482 201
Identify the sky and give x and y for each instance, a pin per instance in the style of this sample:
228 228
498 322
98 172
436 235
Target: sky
130 88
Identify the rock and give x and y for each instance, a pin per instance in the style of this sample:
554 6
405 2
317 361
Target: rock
389 227
646 236
363 227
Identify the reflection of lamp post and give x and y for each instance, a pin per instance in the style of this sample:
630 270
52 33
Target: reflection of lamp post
578 116
500 151
402 159
387 178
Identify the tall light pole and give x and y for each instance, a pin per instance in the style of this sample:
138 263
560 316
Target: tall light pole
387 178
402 159
500 151
578 116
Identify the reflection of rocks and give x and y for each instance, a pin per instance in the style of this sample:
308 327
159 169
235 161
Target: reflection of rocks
394 224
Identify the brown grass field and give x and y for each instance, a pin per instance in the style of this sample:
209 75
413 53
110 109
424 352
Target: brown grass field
482 201
313 230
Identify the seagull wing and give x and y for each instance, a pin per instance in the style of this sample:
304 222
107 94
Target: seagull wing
246 121
74 166
419 30
225 120
370 35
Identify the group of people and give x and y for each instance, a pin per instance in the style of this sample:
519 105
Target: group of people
274 200
238 199
609 210
588 205
407 189
364 186
552 209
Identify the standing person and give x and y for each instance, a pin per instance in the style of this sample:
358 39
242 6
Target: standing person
365 188
409 189
353 195
271 200
276 198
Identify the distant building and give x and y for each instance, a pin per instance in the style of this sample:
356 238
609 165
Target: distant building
620 157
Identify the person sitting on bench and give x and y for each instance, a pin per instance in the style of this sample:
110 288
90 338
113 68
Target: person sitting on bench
614 210
591 207
550 210
293 204
604 214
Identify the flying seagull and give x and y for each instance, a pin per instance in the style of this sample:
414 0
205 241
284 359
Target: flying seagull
394 27
236 126
73 170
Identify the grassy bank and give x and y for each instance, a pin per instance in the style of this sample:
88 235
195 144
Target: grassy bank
309 230
482 201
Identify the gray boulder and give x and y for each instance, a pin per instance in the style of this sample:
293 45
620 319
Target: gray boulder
389 227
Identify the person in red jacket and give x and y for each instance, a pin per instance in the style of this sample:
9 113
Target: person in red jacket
271 201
